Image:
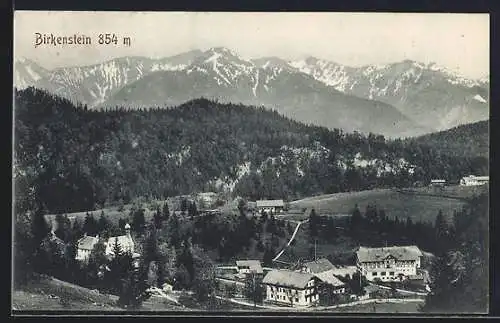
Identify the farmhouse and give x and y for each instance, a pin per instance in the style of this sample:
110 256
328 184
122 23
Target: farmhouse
85 247
438 182
270 206
291 288
317 266
249 266
472 180
389 263
325 271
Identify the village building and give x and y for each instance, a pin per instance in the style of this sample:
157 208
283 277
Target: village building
270 206
394 263
206 199
85 246
126 244
472 180
291 288
438 182
246 267
325 271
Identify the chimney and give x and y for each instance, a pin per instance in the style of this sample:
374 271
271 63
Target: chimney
97 237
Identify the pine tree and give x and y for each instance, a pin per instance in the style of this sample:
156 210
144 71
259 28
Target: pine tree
442 274
138 221
90 225
158 219
103 225
173 233
192 211
134 289
166 211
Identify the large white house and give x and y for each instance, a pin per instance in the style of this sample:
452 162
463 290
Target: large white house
388 263
291 288
472 180
85 247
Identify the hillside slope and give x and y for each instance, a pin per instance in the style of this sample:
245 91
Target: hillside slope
198 146
467 140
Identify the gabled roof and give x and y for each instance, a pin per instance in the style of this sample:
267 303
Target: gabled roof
254 265
319 265
379 254
287 278
270 203
329 278
87 243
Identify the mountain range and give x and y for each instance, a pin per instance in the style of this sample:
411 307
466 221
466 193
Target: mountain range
397 100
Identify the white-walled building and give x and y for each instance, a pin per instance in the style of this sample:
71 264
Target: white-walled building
291 288
472 180
388 263
270 206
85 247
125 242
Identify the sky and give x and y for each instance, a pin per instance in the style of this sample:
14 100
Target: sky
459 42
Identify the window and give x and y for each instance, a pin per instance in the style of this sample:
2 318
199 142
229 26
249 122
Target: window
382 273
374 273
296 299
391 273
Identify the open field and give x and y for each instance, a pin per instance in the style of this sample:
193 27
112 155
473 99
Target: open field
456 191
406 307
396 204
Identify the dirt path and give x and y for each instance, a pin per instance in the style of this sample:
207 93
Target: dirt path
290 241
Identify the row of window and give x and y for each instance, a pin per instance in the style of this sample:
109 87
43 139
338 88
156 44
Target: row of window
283 298
382 265
382 273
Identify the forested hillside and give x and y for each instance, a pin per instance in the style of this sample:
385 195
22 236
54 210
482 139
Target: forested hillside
68 158
459 274
469 140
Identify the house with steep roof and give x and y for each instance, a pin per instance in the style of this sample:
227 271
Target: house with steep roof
249 266
85 246
324 270
394 263
317 266
270 206
291 288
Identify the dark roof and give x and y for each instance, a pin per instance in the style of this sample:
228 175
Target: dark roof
319 265
287 278
378 254
87 243
329 278
254 265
